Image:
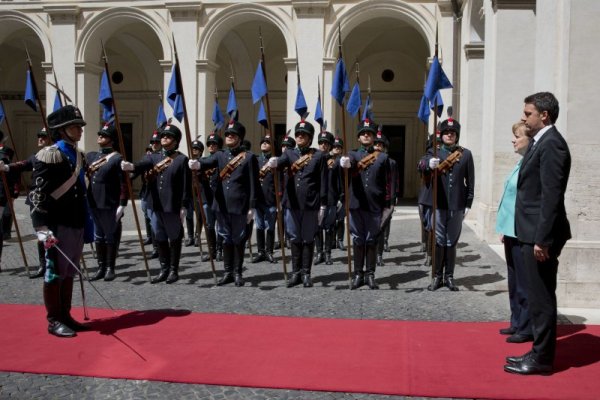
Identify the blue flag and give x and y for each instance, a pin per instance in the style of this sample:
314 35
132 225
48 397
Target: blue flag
259 84
30 92
319 112
440 103
105 98
57 102
174 92
368 111
436 80
262 116
354 101
217 116
232 105
424 110
300 105
2 114
340 84
161 118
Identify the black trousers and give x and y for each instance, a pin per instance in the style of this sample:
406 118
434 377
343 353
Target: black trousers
541 293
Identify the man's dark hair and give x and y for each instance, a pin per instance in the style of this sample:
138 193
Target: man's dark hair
544 101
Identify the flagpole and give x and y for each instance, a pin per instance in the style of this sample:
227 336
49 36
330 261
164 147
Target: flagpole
10 135
433 240
275 172
124 155
357 73
346 179
37 95
198 208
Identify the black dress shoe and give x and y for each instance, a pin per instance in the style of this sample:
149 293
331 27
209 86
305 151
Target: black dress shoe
529 367
306 281
154 254
40 273
260 257
436 283
189 242
227 278
294 280
357 282
270 258
59 329
74 325
518 338
239 281
508 331
148 241
449 283
370 280
517 359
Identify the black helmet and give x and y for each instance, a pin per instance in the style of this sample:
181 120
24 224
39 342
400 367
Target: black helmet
325 136
213 138
155 137
197 144
109 131
338 142
450 125
367 126
304 127
42 133
173 131
288 142
265 139
381 138
236 128
65 116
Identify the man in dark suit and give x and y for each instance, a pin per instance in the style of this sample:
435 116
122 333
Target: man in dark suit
542 227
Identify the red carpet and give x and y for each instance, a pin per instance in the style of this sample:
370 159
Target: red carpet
431 359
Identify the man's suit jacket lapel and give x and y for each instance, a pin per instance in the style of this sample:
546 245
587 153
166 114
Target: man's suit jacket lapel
535 146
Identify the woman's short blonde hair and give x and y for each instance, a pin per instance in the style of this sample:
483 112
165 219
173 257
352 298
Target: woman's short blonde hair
519 126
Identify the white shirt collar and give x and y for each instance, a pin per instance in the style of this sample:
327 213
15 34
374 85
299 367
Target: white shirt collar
541 132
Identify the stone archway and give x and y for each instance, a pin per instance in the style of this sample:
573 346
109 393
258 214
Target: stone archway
391 44
135 44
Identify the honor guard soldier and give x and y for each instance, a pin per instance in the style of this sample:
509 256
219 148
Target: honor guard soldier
369 202
456 189
327 225
16 168
197 150
235 197
6 155
58 214
340 216
266 211
168 197
382 144
288 143
210 179
304 199
107 197
153 147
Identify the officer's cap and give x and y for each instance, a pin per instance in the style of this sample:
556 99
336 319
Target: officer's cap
304 127
42 133
326 137
450 125
213 138
367 126
155 137
109 131
265 139
236 128
65 116
173 131
338 142
197 144
288 142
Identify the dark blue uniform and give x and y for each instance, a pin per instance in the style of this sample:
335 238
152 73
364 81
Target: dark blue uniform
106 192
266 211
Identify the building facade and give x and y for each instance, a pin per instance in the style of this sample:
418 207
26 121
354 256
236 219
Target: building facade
495 52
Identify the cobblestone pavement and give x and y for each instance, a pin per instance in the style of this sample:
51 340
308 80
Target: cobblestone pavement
480 274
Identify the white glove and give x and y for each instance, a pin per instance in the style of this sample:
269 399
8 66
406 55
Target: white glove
272 162
321 215
250 215
194 165
339 206
466 212
434 162
345 162
119 214
46 236
182 214
3 167
127 166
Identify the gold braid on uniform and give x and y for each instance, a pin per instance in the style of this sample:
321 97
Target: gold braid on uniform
49 155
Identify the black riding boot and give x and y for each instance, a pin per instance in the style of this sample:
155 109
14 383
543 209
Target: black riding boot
211 239
238 264
228 263
386 234
329 237
189 223
111 261
164 258
359 261
42 256
66 296
1 246
175 256
379 249
101 256
319 257
449 271
148 231
260 246
219 247
7 223
269 244
307 257
371 265
53 311
295 278
340 235
436 282
154 248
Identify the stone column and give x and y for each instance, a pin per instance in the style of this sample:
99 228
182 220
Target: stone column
88 86
508 78
206 96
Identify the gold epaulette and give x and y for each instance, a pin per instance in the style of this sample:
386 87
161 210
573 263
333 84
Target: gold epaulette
49 155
